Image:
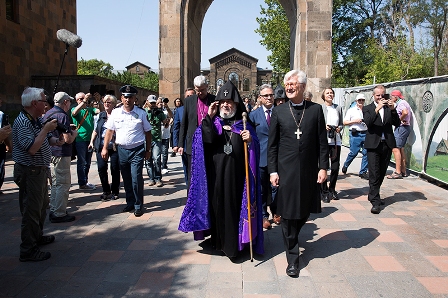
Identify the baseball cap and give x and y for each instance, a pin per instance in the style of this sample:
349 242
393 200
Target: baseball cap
61 96
397 93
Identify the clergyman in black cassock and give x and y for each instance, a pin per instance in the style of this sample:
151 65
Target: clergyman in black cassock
297 161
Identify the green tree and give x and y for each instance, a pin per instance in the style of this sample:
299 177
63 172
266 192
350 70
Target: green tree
150 80
94 67
274 31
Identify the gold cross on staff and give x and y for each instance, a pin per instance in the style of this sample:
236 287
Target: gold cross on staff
298 133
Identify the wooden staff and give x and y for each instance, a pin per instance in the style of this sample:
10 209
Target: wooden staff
248 190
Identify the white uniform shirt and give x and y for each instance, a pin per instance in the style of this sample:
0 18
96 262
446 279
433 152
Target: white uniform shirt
355 113
129 127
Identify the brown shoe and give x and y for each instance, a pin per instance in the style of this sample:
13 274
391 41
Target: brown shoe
276 219
266 224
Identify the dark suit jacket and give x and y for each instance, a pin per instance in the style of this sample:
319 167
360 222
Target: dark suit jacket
258 119
176 125
190 120
376 127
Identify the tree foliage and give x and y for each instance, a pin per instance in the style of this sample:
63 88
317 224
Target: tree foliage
150 80
274 31
373 40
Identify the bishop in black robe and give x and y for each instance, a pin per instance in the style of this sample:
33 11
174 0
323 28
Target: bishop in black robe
220 208
297 161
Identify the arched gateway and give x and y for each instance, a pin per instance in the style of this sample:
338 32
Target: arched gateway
180 42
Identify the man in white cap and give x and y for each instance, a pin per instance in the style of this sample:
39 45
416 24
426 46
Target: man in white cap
61 159
354 119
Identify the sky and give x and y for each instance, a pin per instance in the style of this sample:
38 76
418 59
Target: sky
121 32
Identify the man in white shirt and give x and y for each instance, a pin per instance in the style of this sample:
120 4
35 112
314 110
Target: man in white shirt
132 132
355 120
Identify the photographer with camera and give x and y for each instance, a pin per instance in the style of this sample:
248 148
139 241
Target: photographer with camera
379 117
82 118
31 153
333 121
154 163
162 103
61 158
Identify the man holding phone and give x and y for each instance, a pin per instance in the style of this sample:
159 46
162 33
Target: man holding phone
379 116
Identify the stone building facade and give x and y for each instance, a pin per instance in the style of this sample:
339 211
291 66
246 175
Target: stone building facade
29 46
238 67
138 68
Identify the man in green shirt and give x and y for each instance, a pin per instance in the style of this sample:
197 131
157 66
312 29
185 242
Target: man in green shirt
82 118
153 164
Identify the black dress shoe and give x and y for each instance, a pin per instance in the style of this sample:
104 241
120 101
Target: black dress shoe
326 198
375 210
292 270
382 202
138 212
364 176
334 195
128 208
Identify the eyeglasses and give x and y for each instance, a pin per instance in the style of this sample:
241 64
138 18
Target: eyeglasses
152 103
361 99
289 85
267 95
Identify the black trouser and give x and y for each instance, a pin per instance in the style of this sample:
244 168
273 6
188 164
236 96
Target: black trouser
378 162
291 229
335 158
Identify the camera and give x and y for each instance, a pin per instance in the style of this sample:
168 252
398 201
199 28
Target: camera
60 127
386 96
5 120
166 100
332 131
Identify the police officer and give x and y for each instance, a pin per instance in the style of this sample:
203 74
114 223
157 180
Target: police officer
133 134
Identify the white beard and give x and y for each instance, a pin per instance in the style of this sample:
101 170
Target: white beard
227 115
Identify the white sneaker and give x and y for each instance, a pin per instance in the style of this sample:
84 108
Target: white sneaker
88 186
164 171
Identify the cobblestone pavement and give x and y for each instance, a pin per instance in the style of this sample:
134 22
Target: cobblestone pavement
346 250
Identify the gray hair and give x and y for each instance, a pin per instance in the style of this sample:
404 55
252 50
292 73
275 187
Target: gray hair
112 98
31 94
200 81
264 86
300 75
79 94
308 94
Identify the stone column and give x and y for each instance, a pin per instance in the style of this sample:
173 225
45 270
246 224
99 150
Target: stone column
312 50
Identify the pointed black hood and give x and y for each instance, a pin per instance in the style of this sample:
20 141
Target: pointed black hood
228 91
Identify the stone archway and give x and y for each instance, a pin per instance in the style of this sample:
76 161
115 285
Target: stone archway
180 25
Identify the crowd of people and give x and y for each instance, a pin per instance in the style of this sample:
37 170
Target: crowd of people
246 165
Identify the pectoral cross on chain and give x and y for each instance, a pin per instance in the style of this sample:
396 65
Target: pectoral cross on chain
298 133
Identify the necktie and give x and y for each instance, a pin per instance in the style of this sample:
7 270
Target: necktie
268 117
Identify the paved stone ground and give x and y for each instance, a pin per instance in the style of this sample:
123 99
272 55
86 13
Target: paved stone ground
346 250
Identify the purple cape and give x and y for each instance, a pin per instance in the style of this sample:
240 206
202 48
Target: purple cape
196 218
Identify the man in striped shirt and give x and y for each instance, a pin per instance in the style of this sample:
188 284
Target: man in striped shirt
31 154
